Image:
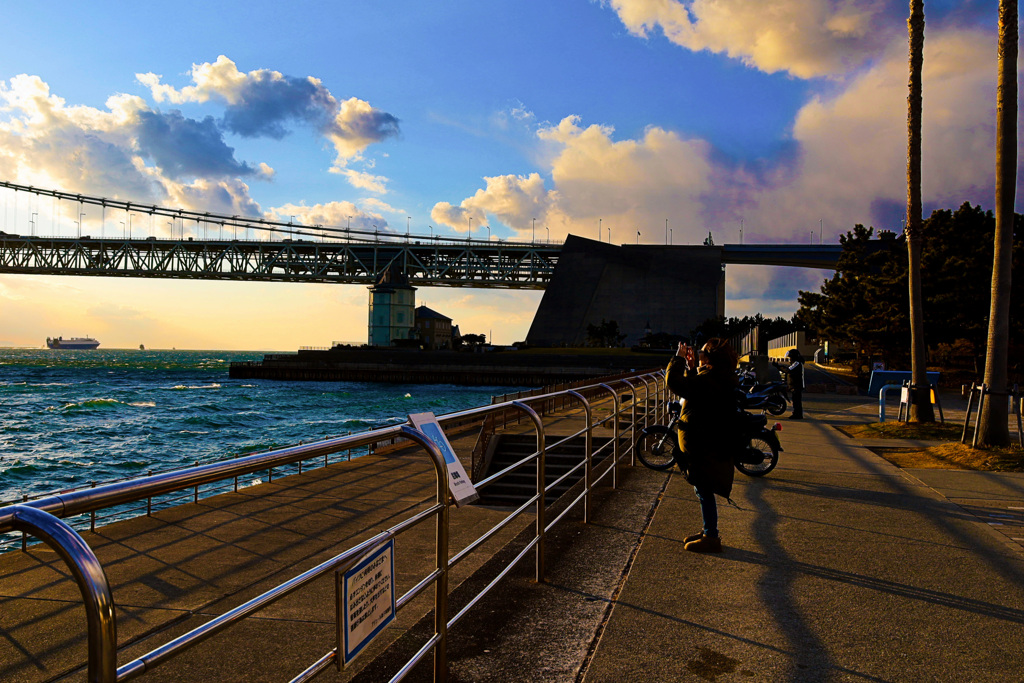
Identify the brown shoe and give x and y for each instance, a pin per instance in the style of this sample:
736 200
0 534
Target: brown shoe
704 544
693 537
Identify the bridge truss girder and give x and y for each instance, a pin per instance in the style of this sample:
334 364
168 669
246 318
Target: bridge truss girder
442 263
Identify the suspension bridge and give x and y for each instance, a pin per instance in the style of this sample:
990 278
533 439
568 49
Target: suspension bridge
152 241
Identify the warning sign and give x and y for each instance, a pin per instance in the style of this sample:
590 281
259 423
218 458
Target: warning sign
459 483
368 599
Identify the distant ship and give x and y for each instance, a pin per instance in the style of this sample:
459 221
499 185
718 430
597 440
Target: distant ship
73 343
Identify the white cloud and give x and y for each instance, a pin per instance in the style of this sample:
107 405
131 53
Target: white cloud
261 102
363 180
806 38
846 165
330 214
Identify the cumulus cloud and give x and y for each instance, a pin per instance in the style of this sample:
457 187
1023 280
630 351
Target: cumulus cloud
806 38
337 215
47 143
363 180
845 164
621 184
514 200
262 103
185 147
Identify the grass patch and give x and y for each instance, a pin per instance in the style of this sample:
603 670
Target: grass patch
949 455
956 456
935 431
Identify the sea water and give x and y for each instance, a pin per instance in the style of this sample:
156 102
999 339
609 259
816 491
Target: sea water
73 418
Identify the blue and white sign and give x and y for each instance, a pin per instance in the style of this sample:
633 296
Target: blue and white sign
459 483
368 599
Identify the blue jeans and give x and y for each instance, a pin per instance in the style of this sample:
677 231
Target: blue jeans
709 511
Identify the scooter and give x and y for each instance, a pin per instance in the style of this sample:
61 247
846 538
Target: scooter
656 443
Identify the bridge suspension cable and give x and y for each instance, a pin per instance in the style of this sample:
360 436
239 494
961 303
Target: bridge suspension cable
205 219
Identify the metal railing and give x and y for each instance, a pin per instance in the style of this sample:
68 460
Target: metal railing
42 518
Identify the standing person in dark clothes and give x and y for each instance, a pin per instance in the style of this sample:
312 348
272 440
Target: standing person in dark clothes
795 374
707 381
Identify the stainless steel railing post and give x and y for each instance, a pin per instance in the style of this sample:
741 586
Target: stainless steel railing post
540 519
441 553
615 435
647 400
632 423
588 454
91 580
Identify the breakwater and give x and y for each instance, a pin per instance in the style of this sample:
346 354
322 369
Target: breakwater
508 368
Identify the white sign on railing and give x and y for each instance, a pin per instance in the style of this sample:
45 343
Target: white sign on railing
459 483
368 599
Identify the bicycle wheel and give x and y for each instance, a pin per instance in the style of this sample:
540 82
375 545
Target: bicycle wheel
776 405
769 458
655 447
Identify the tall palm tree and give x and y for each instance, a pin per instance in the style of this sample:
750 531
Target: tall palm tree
993 430
921 407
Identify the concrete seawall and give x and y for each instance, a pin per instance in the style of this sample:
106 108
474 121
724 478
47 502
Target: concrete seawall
514 368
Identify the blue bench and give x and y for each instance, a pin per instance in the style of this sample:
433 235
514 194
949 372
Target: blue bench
879 378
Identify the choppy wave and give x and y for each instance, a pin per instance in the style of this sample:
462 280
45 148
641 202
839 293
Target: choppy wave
88 404
71 418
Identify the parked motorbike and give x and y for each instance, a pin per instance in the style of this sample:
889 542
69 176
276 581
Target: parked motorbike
770 396
773 397
657 443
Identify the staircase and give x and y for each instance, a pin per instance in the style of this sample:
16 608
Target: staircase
516 488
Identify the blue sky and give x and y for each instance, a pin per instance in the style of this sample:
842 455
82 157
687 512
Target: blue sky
787 116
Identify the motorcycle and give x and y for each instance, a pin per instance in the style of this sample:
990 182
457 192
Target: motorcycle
772 397
657 443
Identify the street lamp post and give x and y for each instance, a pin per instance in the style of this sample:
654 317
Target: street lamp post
534 236
549 233
470 236
666 231
431 231
488 232
599 229
408 221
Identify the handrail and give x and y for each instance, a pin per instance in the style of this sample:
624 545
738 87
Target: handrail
40 518
91 580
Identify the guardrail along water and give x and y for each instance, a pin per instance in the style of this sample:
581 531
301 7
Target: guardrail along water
617 407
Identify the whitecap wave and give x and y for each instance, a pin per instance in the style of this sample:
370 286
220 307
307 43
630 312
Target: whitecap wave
183 387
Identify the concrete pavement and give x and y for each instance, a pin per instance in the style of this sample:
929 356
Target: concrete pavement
838 567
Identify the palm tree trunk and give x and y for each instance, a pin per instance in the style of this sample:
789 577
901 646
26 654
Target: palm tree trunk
994 430
921 406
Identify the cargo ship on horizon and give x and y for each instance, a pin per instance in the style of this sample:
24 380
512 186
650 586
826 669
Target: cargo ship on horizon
72 343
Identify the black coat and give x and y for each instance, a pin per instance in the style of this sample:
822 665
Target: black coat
707 422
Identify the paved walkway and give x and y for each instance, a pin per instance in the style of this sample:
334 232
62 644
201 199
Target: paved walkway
838 567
